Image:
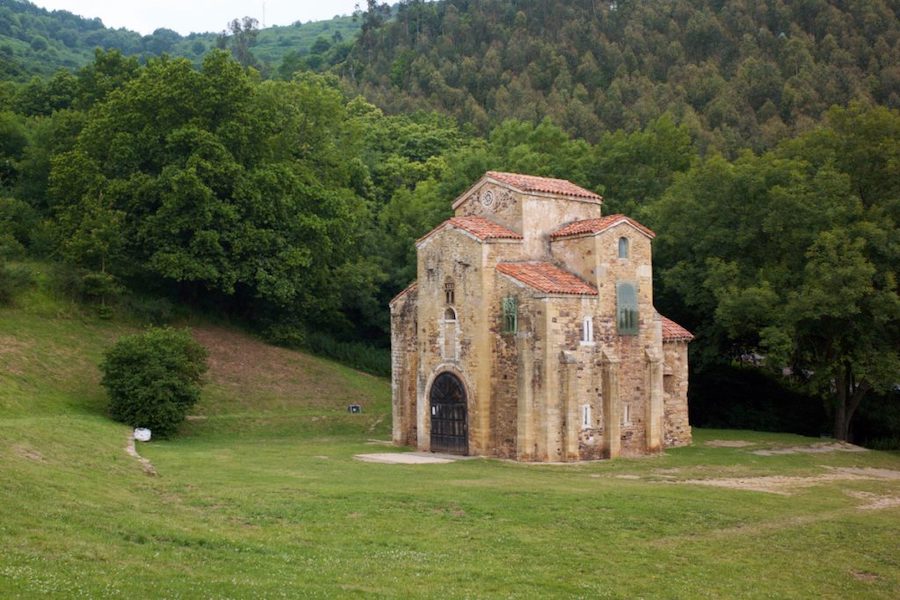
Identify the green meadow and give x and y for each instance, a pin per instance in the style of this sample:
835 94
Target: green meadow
260 495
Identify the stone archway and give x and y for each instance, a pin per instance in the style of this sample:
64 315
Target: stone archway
449 418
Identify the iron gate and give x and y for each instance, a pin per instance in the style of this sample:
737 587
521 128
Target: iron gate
449 429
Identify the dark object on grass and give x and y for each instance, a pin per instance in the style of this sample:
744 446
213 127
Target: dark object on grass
354 408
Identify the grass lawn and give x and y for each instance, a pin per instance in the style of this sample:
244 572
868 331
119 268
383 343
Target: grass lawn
260 496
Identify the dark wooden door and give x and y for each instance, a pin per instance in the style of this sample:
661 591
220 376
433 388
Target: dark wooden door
449 428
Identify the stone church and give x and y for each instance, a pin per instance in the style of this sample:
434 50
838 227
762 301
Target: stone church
531 333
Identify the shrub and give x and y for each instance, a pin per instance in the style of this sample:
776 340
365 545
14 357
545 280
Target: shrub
154 378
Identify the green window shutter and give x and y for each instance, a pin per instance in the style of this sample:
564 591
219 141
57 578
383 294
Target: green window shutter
510 315
626 309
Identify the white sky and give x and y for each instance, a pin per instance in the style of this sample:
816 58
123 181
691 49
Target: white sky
185 16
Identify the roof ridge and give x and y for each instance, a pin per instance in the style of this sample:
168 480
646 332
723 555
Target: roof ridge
673 332
599 224
538 183
480 227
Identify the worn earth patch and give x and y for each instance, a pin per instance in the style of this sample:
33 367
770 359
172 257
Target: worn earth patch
875 501
29 453
12 354
785 485
728 444
813 449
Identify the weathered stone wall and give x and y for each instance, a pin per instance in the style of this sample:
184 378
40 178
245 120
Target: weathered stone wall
497 203
578 255
506 364
675 388
404 363
544 214
448 344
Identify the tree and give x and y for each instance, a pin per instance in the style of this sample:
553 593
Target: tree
154 378
241 36
218 185
792 255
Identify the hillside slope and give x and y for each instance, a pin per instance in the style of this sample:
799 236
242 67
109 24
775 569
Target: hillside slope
739 72
260 495
36 41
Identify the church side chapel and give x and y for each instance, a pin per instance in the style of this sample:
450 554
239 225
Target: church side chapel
530 332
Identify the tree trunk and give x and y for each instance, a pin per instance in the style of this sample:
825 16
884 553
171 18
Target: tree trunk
841 422
849 396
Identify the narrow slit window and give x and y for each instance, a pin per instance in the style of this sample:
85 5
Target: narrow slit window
626 415
626 309
450 292
623 247
587 329
510 315
586 416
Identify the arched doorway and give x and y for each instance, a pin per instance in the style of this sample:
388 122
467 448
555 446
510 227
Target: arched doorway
449 427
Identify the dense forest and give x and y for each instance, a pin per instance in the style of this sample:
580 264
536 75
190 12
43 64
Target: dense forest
738 73
760 140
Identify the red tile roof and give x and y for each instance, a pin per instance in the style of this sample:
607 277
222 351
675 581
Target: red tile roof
548 185
410 288
481 228
484 229
598 225
548 278
673 332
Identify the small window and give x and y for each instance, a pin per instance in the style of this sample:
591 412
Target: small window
449 314
450 292
586 416
626 309
623 247
510 315
626 414
587 330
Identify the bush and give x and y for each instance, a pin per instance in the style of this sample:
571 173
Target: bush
154 378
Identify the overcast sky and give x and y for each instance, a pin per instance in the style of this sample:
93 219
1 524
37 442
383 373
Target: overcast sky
185 16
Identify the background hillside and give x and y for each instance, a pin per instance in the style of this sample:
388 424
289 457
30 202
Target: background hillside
35 41
738 73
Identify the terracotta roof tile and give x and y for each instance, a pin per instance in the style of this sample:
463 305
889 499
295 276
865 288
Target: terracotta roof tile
484 229
673 332
548 185
548 278
408 289
598 225
480 227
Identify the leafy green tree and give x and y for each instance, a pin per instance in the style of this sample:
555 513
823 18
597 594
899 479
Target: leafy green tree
217 183
241 37
792 255
13 141
154 378
635 169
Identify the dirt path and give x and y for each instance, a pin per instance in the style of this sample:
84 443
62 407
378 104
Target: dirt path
132 451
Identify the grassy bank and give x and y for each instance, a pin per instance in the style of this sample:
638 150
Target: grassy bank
261 496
